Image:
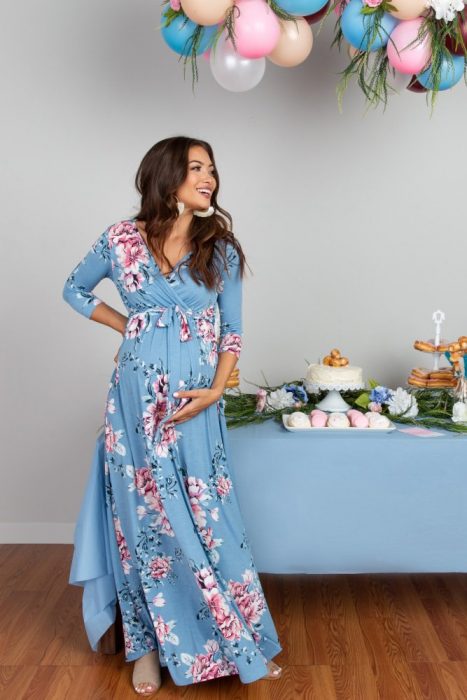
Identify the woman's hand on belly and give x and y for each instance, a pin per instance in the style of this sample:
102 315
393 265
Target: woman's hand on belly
198 400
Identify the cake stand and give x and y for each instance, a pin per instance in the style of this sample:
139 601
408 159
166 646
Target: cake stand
333 401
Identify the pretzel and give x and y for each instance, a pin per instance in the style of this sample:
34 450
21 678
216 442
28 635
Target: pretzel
424 346
334 359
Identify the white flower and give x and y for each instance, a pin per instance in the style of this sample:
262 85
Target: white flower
281 398
459 412
401 403
446 9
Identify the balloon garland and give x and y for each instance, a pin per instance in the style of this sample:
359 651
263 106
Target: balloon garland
419 45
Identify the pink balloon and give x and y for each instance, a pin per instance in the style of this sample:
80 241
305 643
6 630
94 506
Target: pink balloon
257 29
406 59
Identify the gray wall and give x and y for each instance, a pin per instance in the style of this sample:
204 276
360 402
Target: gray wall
352 223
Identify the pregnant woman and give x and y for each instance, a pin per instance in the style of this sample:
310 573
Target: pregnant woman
185 578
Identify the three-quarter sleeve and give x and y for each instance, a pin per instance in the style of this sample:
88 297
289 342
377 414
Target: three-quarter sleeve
78 287
229 301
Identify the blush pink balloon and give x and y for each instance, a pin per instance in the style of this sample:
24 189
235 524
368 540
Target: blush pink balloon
257 29
403 55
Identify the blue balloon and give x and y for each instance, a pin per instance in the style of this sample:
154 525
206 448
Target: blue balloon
451 73
358 28
301 7
179 35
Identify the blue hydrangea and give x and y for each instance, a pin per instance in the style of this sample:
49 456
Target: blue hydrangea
380 394
298 392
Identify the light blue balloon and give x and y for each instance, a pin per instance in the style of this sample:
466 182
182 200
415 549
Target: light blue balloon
451 73
179 35
357 28
301 7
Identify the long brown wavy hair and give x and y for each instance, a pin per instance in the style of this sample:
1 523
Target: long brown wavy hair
163 169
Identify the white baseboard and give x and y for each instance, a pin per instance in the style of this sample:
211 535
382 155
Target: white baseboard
36 533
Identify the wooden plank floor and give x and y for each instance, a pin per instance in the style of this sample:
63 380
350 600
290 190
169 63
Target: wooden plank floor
346 637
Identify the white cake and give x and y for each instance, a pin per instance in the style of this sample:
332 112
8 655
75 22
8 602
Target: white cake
324 375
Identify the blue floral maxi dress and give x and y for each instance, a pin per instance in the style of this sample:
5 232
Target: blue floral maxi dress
184 572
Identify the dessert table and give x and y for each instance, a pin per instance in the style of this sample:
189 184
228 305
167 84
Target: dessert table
351 503
313 503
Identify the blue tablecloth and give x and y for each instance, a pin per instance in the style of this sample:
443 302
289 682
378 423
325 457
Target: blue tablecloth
341 503
314 503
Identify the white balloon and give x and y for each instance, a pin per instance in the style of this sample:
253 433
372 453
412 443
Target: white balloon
232 71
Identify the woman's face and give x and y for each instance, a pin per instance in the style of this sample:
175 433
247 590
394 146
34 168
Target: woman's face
200 183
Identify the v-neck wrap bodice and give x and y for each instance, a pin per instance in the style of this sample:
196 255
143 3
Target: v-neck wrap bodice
173 305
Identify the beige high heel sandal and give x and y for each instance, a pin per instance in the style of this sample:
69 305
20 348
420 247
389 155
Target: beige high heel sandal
274 671
147 688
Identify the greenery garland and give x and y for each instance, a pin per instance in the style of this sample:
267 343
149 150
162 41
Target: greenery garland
435 407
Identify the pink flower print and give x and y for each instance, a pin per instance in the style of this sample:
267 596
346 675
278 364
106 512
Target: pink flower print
205 669
252 606
154 501
131 255
168 436
216 604
161 385
205 578
231 627
231 342
205 330
162 629
121 233
132 281
160 567
112 438
372 3
198 495
210 541
163 525
175 5
144 482
110 407
153 415
136 325
184 327
122 546
159 600
128 641
223 486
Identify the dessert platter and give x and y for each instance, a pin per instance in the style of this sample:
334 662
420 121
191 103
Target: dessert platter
334 374
352 422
